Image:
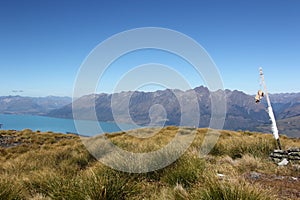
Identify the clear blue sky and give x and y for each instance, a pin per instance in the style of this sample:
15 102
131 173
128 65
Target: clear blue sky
43 43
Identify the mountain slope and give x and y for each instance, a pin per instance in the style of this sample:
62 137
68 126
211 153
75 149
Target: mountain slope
163 107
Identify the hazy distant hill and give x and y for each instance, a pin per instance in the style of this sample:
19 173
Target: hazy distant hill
242 112
31 105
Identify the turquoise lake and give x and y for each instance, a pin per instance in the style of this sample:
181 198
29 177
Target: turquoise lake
44 124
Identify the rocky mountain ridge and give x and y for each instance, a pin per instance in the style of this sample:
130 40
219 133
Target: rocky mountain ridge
163 107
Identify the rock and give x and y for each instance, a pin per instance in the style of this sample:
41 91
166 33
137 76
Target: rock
279 177
281 157
284 162
220 176
8 141
293 149
294 154
277 151
294 178
255 175
294 158
277 156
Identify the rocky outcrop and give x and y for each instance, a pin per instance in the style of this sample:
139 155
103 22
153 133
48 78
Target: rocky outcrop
292 154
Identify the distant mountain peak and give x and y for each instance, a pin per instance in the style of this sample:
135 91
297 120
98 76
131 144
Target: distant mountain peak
31 105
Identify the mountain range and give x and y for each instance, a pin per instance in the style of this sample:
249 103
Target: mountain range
145 108
163 108
31 105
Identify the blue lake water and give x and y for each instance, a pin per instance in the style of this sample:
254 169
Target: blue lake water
44 124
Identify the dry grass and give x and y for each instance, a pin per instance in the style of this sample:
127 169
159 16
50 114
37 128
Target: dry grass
38 165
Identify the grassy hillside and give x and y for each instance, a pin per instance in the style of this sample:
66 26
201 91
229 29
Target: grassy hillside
36 165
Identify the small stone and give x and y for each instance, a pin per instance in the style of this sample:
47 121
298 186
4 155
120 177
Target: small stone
294 178
284 162
220 176
279 178
255 175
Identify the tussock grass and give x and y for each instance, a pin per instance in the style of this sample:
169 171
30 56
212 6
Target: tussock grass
237 146
58 166
229 190
9 189
180 193
186 171
94 184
